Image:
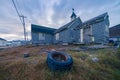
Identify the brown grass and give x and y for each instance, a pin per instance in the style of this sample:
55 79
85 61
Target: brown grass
13 66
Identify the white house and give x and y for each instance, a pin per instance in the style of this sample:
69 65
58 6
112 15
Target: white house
2 42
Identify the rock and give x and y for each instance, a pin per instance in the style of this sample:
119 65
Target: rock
53 50
95 59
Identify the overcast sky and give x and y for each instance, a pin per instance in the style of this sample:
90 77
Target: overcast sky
51 13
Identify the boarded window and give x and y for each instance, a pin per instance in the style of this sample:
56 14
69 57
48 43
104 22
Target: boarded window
41 36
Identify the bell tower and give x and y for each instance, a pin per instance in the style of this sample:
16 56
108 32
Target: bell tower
73 16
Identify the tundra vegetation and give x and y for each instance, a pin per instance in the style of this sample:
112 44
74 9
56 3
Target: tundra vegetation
13 66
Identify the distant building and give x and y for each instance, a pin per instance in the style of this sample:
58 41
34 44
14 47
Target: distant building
94 30
115 33
3 42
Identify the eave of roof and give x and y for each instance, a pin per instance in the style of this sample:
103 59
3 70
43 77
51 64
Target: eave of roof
42 29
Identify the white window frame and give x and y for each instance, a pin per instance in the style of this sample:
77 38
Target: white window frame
106 28
81 35
41 36
57 36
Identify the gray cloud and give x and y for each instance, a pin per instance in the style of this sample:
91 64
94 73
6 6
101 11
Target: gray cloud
53 13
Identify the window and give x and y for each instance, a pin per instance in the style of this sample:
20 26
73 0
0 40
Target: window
81 35
41 36
57 36
106 28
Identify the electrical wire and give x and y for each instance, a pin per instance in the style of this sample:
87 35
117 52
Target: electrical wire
21 19
17 10
18 7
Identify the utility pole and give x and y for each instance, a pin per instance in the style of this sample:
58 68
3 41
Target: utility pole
22 19
23 22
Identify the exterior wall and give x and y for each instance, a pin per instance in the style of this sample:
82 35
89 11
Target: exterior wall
63 37
35 38
100 31
48 38
87 34
106 30
74 35
69 35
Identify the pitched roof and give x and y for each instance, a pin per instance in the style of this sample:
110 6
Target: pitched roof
3 39
115 31
43 29
67 25
96 19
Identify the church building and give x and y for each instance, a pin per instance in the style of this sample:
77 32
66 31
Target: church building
76 31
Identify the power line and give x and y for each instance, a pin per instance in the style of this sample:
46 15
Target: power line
22 19
18 7
17 10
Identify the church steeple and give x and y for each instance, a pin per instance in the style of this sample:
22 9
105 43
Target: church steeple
73 16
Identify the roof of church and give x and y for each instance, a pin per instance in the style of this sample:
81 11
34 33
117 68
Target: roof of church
67 25
96 19
36 28
43 29
115 31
